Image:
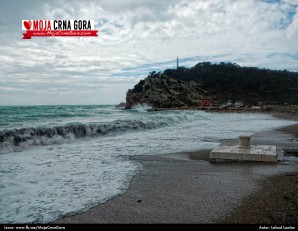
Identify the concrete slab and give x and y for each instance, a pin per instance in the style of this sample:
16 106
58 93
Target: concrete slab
264 153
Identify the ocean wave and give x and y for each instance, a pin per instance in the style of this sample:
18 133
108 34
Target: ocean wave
19 139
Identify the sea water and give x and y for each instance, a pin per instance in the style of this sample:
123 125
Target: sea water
60 160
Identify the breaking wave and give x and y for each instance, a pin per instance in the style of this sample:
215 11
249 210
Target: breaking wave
25 138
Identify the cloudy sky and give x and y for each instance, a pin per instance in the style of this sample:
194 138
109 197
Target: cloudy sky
136 37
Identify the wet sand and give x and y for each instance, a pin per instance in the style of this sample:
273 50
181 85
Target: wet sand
186 188
275 203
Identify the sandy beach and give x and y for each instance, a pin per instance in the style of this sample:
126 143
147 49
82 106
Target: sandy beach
186 188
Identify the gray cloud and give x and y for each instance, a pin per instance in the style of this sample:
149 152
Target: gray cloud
136 37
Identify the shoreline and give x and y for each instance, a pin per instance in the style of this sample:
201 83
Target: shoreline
276 201
186 188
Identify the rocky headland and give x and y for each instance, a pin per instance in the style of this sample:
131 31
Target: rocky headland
218 83
162 91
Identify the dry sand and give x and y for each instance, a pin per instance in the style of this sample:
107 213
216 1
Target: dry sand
186 188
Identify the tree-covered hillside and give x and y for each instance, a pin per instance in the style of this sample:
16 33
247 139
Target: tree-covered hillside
230 81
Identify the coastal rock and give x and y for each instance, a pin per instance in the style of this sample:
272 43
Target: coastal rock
121 105
162 91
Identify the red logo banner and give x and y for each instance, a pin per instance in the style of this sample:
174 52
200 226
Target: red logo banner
59 33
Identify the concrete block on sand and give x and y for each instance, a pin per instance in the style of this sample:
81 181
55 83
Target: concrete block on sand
264 153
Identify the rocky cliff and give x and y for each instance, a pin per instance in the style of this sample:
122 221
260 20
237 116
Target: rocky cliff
162 91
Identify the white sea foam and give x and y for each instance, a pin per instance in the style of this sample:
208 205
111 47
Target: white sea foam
142 108
44 183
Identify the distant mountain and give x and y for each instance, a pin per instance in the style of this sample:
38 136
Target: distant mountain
218 82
